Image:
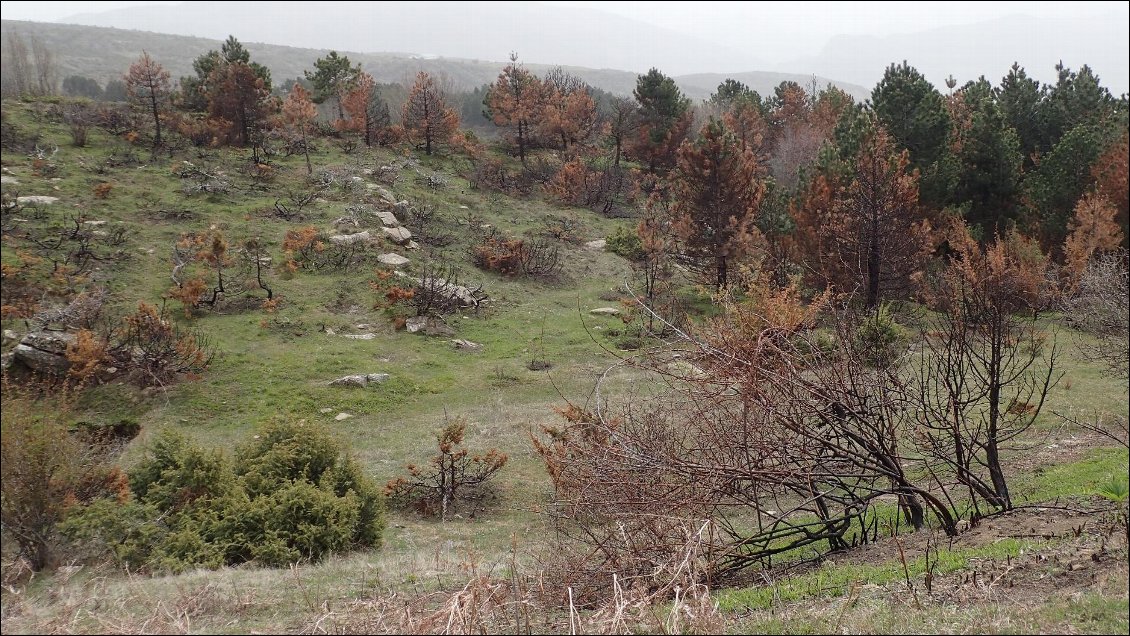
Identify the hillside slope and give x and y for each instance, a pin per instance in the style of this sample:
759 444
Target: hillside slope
105 53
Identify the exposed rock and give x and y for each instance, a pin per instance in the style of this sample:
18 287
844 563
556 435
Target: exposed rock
6 361
341 417
396 260
605 311
386 196
597 244
10 336
402 208
412 245
464 295
325 411
415 323
360 380
467 345
349 239
428 326
398 235
6 180
359 336
38 199
94 223
388 219
45 351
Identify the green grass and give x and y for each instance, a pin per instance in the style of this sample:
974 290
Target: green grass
1086 613
1083 477
836 579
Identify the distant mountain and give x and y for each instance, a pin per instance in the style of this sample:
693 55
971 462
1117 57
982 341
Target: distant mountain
988 48
105 53
539 33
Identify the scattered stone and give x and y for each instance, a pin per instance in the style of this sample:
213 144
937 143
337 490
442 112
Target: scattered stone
6 180
412 245
356 179
467 345
596 245
330 332
396 260
6 361
341 417
386 196
388 219
368 172
402 207
359 336
605 311
325 411
349 239
10 336
38 199
360 380
100 233
398 235
94 223
463 207
45 351
363 326
415 323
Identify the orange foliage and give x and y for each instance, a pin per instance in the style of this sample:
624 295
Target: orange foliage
569 117
571 183
1112 173
426 117
500 255
716 190
102 190
301 247
189 294
747 124
87 353
870 234
1093 230
1008 276
516 100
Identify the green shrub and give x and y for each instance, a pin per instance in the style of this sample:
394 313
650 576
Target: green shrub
288 495
625 242
879 339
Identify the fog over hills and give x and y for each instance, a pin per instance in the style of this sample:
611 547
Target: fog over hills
539 33
105 53
616 40
985 48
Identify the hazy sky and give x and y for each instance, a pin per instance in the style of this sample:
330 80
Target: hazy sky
763 36
783 28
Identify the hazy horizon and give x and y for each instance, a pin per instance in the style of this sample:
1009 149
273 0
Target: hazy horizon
847 42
